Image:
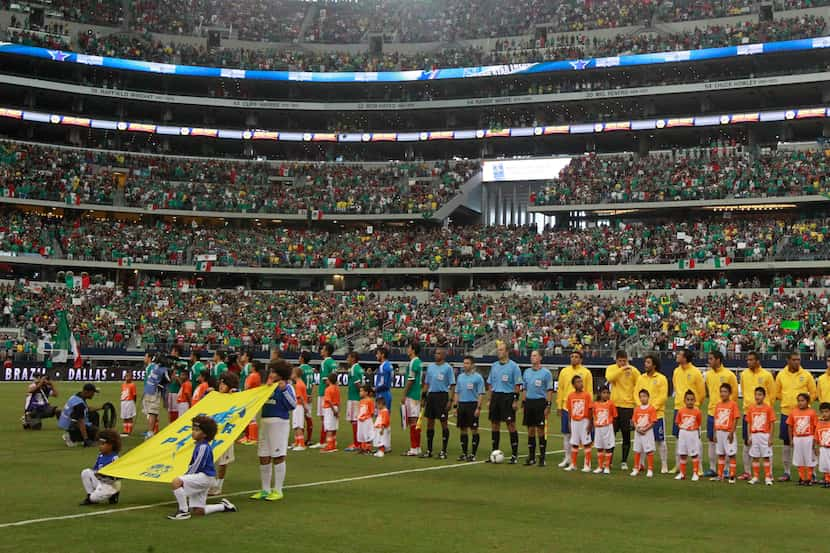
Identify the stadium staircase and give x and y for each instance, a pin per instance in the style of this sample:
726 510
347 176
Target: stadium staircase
308 20
473 184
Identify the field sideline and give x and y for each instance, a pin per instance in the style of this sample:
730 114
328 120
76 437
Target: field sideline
340 502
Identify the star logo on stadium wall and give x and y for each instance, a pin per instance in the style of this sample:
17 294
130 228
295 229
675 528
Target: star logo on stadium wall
579 64
58 55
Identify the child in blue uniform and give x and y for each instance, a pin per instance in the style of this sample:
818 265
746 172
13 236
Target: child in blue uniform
100 488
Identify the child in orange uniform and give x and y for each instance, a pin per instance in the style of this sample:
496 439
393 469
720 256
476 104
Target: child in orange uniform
688 421
185 392
298 416
803 422
128 395
365 424
331 412
579 411
605 413
253 380
823 442
383 428
645 415
726 415
760 418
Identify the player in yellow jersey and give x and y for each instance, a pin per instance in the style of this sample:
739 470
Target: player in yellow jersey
754 376
716 376
823 384
790 382
657 386
623 379
564 388
686 377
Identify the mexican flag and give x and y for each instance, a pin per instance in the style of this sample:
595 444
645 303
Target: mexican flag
721 262
78 361
204 266
686 264
77 282
125 261
316 215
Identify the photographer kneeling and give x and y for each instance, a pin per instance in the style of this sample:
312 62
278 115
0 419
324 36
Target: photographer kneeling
79 420
37 405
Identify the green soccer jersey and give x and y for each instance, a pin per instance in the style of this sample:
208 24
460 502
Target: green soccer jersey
355 382
328 366
219 368
195 370
308 375
246 370
413 374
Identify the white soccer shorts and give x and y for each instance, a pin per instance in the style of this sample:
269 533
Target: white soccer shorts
413 408
352 410
760 448
196 487
273 437
128 409
803 451
579 432
688 443
604 437
330 422
298 417
644 443
723 447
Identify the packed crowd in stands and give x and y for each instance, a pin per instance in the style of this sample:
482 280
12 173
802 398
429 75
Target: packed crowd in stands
704 174
144 317
86 176
718 242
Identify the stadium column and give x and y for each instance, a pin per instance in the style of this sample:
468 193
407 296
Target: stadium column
499 207
485 204
515 215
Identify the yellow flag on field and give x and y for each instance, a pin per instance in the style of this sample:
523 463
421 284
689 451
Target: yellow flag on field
166 455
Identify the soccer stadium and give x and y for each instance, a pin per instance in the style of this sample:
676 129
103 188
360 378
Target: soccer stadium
453 275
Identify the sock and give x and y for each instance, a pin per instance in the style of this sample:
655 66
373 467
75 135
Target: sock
322 434
733 466
721 465
682 466
445 439
802 473
514 443
253 431
712 456
173 415
181 499
412 441
650 460
676 460
265 476
279 476
218 508
531 447
756 469
301 440
768 469
696 465
309 428
588 451
609 457
219 483
827 477
636 461
496 439
787 460
663 450
747 461
465 441
156 428
430 438
354 432
574 453
331 441
566 443
543 447
476 440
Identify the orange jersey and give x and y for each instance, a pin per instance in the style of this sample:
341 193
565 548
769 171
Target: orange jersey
367 409
803 422
382 420
185 392
200 392
604 413
253 380
688 419
726 413
823 433
301 391
331 397
644 415
760 418
128 391
579 405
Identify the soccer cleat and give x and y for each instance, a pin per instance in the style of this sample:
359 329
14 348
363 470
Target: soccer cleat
586 468
680 476
731 480
541 461
67 440
709 473
472 458
744 476
125 435
513 460
530 461
379 453
808 483
86 501
114 498
673 470
664 470
328 450
274 496
262 494
179 515
351 448
825 484
714 478
563 464
607 470
570 468
768 481
635 472
753 481
299 448
243 441
784 477
623 466
462 457
316 446
598 470
442 455
426 455
291 447
229 507
695 477
650 473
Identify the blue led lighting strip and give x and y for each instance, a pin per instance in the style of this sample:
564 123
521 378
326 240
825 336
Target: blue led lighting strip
422 75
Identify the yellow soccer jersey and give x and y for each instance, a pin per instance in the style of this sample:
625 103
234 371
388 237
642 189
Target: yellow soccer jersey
689 378
714 379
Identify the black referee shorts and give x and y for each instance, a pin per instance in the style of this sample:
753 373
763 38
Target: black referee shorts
436 407
535 412
501 407
467 414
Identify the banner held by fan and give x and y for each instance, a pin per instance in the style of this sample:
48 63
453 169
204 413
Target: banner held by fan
167 454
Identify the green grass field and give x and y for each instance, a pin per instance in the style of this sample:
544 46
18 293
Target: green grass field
342 502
